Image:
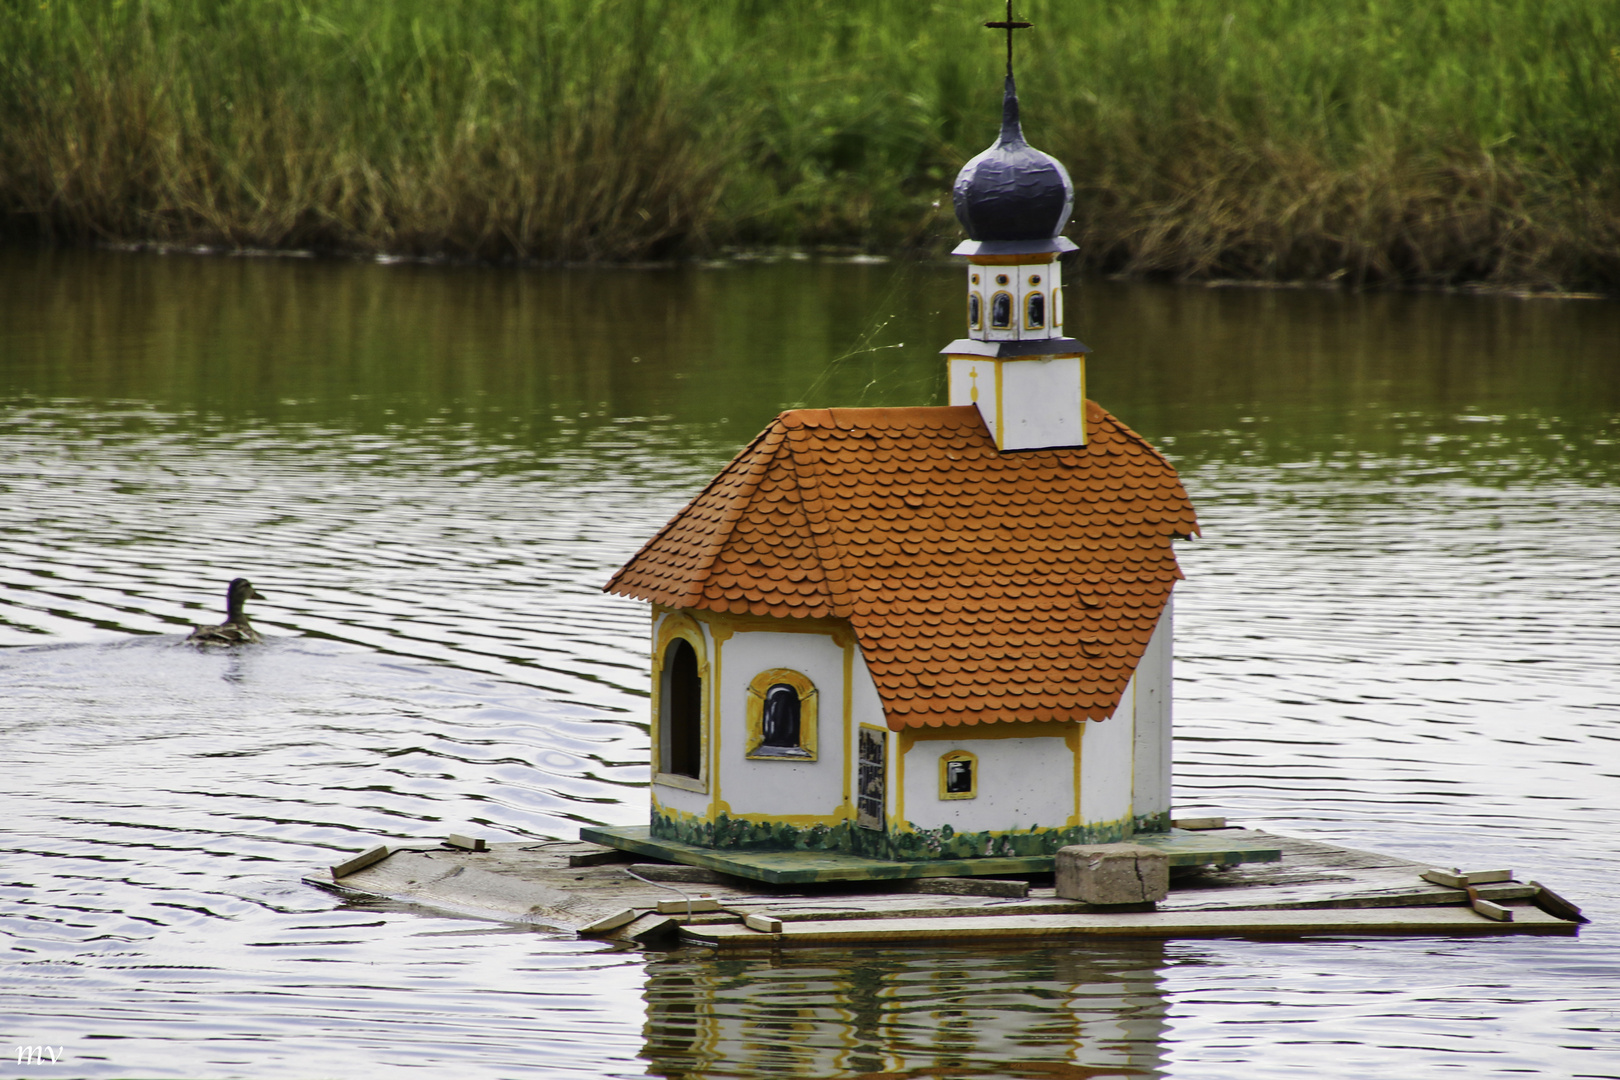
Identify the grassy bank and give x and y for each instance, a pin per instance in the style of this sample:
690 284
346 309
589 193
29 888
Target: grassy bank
1465 140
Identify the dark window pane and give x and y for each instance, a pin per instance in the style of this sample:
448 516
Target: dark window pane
1001 311
1037 311
958 777
781 716
973 311
682 733
869 795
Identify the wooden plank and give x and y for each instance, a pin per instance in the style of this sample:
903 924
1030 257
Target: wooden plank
366 858
791 909
649 927
1555 905
610 922
688 907
466 843
1196 824
1454 880
955 886
1153 924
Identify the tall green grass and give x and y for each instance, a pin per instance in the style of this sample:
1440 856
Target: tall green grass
1452 140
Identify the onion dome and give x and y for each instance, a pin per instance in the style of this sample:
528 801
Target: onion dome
1013 193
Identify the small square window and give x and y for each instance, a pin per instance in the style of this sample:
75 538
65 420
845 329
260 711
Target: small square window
958 775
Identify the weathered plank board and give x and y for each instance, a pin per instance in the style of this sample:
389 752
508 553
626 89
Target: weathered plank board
1155 924
366 858
950 886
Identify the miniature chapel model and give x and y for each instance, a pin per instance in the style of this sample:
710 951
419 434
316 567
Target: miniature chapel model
940 632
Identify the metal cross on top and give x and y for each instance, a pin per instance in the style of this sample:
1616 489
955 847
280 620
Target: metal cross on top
1009 25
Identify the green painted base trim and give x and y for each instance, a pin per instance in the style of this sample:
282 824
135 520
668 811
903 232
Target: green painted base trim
807 867
946 843
729 833
915 843
1153 823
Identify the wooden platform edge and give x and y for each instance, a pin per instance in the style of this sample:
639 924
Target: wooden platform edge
1157 924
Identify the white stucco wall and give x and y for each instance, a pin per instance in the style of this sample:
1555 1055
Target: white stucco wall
1043 403
1042 400
781 786
1150 701
1106 774
1021 783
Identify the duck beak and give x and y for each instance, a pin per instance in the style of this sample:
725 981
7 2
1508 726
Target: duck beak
254 594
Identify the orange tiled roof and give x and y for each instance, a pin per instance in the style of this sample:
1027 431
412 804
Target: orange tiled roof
983 586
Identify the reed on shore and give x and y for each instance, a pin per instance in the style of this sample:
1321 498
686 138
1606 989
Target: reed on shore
1448 142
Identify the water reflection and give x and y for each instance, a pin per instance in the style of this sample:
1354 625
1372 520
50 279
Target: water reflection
1398 632
961 1012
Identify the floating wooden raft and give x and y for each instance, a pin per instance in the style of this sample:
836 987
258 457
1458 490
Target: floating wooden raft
1313 889
1185 848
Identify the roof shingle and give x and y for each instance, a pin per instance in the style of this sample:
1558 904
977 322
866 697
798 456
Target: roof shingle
984 587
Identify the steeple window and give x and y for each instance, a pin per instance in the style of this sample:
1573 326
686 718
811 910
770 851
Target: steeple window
1001 311
1035 311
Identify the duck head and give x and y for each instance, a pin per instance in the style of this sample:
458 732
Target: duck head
239 592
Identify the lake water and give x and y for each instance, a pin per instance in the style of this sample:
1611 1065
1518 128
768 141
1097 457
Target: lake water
1400 631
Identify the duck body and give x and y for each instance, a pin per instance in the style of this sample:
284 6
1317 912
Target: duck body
236 629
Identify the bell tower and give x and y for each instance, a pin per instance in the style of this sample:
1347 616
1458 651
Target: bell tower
1027 378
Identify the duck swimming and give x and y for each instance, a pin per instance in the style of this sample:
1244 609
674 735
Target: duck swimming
236 629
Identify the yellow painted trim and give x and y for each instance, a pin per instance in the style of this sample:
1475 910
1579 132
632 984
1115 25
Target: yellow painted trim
1085 425
1076 741
1001 426
1033 729
716 704
680 625
849 725
755 711
902 747
972 760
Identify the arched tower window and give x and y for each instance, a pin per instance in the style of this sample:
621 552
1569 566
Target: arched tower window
681 712
1001 311
781 716
975 316
1035 311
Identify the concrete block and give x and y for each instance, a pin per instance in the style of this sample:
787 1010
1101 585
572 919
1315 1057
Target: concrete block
1113 874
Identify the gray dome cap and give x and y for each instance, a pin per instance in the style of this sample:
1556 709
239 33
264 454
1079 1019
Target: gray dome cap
1013 192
